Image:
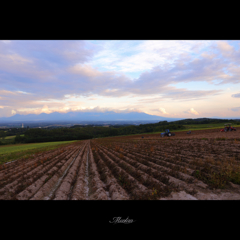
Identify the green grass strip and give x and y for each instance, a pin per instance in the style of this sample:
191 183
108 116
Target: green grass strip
13 152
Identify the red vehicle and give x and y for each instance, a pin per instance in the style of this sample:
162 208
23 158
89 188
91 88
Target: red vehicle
228 128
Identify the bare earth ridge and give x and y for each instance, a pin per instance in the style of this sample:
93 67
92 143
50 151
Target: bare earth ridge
204 165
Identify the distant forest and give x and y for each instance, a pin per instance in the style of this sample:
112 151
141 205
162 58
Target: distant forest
206 121
78 132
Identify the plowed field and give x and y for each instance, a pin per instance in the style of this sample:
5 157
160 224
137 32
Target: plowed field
204 165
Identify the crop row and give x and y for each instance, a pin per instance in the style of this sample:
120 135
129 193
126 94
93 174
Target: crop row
201 166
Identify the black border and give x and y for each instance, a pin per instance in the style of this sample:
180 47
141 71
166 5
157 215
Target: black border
155 215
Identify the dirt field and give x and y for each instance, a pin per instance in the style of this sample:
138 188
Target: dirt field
204 165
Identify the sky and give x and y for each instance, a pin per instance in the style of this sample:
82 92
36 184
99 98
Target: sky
168 78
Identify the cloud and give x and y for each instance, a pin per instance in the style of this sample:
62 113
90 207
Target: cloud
208 55
28 103
45 109
162 110
181 94
85 70
36 66
38 73
235 109
224 46
138 56
227 51
54 52
237 95
107 109
52 69
6 41
14 59
111 90
184 94
192 111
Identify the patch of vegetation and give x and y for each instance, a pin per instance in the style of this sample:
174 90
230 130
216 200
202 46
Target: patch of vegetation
235 177
11 153
218 179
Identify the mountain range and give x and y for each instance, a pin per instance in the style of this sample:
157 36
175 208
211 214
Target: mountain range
86 116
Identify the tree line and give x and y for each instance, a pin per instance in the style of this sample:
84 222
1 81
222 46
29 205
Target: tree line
79 133
206 121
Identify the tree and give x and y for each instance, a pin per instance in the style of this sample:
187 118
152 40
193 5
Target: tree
2 135
19 139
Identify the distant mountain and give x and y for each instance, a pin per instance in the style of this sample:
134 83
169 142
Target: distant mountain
86 116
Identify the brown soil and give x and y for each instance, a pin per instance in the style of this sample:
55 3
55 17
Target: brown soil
204 165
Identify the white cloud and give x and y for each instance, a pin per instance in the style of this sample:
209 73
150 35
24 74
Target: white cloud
45 109
224 46
6 41
162 110
139 56
23 92
193 111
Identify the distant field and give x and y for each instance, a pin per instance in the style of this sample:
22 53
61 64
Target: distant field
205 126
23 147
10 137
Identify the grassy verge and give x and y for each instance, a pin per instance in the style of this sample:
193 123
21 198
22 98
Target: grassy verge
11 153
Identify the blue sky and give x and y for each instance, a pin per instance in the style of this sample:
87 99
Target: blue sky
186 79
